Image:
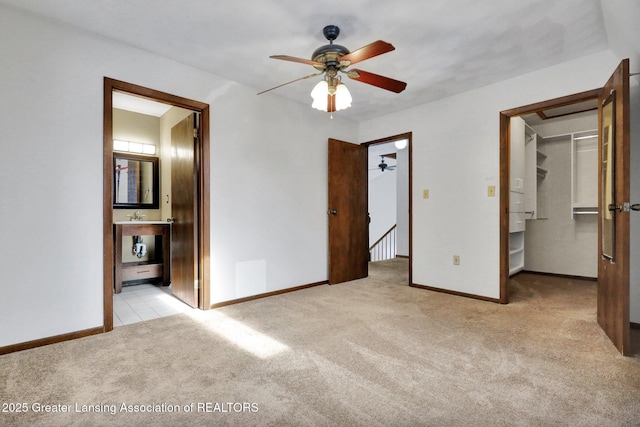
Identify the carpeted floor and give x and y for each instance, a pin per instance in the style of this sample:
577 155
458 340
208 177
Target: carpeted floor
364 353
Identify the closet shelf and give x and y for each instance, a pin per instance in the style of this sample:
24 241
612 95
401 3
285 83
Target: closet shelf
541 172
585 210
513 251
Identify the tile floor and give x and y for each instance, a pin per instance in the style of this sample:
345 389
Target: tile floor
145 302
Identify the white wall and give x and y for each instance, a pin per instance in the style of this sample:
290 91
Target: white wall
456 156
382 203
268 177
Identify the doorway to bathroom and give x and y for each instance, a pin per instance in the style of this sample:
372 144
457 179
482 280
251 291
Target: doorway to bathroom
189 216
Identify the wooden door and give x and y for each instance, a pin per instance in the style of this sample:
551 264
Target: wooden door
184 231
613 224
348 217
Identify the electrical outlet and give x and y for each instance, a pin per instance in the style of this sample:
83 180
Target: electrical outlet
425 194
491 191
456 260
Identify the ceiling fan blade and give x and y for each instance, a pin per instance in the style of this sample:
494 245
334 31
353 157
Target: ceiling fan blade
376 80
292 81
300 60
369 51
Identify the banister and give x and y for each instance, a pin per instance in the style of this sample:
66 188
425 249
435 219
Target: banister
383 236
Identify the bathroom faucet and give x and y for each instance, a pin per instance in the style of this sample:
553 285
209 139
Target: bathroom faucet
136 216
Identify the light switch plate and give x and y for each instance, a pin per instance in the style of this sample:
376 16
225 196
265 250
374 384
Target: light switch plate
491 191
425 194
456 260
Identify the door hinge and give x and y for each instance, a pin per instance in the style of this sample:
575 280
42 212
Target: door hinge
195 133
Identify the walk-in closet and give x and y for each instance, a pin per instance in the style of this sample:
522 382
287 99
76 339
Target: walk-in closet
553 215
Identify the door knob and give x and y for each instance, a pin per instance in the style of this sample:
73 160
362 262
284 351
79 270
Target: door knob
612 207
332 212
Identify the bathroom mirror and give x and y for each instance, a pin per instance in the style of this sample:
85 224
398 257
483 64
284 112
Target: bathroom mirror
135 181
608 205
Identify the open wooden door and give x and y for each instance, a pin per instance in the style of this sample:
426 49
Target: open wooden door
613 225
184 196
348 217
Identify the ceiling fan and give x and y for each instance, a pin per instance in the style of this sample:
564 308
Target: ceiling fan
332 59
384 166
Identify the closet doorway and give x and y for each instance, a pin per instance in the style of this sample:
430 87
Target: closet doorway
613 243
199 243
553 212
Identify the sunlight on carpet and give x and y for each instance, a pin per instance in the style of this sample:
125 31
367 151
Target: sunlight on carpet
239 334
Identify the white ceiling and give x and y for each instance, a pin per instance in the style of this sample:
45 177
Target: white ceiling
443 47
139 105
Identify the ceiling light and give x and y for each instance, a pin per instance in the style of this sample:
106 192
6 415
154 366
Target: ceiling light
401 143
330 98
133 147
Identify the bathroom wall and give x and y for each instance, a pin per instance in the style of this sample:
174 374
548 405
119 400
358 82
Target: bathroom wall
142 128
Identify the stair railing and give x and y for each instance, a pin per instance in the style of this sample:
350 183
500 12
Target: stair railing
384 247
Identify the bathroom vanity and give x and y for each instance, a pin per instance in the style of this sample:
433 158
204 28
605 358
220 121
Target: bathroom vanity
156 269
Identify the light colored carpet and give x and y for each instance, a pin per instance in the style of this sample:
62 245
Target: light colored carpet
368 352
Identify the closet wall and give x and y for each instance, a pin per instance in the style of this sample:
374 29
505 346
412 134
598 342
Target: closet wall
561 237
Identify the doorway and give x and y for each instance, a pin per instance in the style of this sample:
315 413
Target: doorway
553 214
511 210
613 103
389 198
348 205
201 204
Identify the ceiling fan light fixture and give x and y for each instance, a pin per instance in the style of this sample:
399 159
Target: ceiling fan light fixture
321 92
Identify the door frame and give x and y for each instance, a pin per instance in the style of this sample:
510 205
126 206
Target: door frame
202 160
505 177
409 137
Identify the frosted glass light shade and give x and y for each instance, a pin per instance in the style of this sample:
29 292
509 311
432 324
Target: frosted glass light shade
319 95
343 97
401 143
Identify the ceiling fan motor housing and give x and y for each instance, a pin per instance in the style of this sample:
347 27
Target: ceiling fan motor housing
330 54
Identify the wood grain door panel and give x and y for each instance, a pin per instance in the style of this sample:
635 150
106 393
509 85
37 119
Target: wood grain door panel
348 217
613 274
184 240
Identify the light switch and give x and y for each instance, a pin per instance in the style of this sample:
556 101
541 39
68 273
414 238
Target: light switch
491 191
456 260
425 194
